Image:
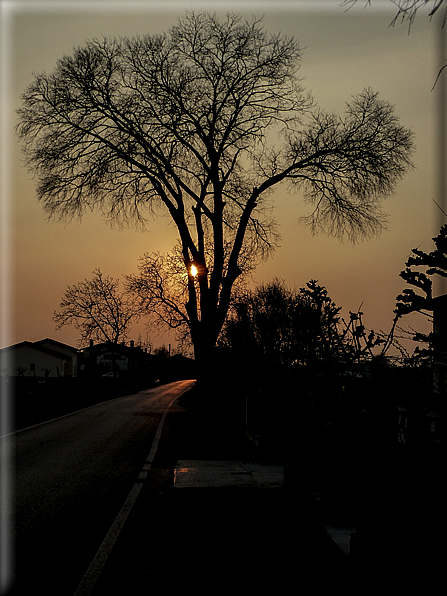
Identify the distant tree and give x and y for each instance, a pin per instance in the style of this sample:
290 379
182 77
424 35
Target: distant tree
162 352
98 309
185 124
161 289
315 326
284 328
144 344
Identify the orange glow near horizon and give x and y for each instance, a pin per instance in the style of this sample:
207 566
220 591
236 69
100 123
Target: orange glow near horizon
343 54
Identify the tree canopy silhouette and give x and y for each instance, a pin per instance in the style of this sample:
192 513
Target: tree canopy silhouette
202 123
420 271
285 329
282 328
432 263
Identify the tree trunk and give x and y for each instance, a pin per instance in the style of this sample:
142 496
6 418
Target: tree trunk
204 355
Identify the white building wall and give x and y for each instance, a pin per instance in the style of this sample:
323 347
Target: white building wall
71 355
28 358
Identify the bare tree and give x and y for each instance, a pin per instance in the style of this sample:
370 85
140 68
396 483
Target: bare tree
408 9
185 123
97 309
161 289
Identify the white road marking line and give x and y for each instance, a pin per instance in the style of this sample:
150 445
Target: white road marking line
91 576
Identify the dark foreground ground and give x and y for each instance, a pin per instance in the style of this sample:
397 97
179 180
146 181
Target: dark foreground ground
213 540
216 540
247 540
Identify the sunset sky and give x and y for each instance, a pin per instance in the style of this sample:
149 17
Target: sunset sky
344 53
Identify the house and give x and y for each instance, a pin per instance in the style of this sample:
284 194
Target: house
98 359
134 362
43 358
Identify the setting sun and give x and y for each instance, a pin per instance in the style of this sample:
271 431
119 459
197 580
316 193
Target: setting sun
193 270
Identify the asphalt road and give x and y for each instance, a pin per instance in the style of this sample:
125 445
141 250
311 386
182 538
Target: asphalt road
72 476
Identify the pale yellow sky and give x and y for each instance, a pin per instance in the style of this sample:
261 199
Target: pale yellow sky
344 52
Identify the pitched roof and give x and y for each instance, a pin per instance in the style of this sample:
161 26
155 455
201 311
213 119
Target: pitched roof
56 343
38 345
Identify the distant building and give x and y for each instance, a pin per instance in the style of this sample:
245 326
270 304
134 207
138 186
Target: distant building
132 361
98 359
178 367
43 358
